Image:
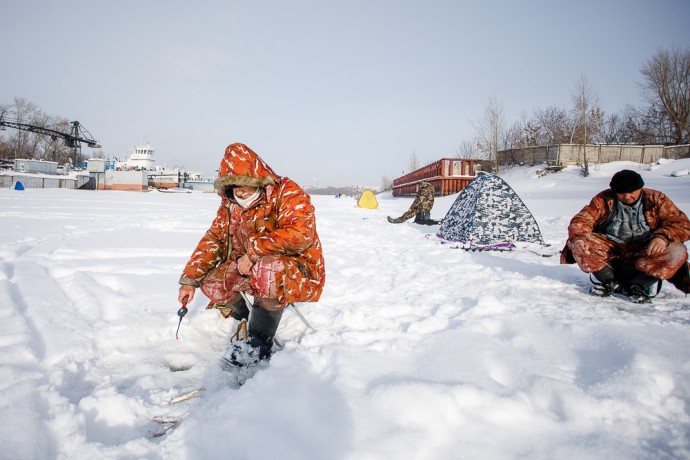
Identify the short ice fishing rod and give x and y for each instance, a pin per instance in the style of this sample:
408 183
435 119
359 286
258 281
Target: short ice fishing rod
181 312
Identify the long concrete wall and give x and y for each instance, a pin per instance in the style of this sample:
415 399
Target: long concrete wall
574 154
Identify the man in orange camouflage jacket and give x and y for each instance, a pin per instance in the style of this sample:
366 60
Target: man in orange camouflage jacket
262 242
630 237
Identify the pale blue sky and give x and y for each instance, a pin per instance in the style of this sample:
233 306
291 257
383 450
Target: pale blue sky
331 92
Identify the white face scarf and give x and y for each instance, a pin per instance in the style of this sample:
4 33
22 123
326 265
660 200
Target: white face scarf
246 202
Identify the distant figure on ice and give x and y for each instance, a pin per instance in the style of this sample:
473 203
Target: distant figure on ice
420 208
630 237
262 242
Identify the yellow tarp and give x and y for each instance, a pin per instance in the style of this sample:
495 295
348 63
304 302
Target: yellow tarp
367 200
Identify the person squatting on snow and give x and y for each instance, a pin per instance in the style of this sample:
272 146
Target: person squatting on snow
420 208
262 242
630 237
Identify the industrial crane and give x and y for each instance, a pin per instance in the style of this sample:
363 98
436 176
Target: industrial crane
73 139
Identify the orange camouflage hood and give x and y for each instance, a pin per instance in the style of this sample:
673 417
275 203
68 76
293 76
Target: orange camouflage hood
243 167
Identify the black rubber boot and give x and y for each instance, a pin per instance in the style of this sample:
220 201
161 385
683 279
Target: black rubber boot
263 325
422 218
608 285
638 294
640 287
643 280
605 275
240 310
681 279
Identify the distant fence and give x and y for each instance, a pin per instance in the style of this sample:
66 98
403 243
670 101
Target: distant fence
447 175
574 154
38 181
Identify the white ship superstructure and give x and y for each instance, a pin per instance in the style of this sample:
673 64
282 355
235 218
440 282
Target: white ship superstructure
142 158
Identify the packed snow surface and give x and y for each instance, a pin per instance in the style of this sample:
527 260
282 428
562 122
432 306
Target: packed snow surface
420 350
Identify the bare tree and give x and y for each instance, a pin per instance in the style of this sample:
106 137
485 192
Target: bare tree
596 119
514 136
467 149
585 108
531 133
414 161
585 105
553 124
490 130
29 144
645 125
522 134
386 183
4 145
528 131
667 89
42 143
63 154
23 144
613 130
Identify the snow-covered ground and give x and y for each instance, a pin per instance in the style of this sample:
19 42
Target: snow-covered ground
421 351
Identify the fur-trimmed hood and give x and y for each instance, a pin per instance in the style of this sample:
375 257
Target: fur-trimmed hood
242 166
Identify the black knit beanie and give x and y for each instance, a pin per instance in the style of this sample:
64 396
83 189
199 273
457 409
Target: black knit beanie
626 181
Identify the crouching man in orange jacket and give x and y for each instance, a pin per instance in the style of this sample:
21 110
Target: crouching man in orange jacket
262 242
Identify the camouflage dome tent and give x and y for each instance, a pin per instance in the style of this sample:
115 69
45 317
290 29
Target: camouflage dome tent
488 214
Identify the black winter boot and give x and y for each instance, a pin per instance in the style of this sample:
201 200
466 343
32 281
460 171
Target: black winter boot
240 310
263 325
681 279
608 285
638 294
422 218
640 287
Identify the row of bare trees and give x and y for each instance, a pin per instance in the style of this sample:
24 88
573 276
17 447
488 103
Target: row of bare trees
25 144
663 118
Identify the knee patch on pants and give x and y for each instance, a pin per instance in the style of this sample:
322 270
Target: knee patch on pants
266 275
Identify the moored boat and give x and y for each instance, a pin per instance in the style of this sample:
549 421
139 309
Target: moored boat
163 179
195 181
142 158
